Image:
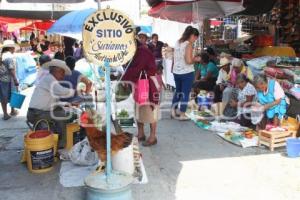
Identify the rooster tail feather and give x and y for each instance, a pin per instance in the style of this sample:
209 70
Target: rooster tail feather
128 140
121 141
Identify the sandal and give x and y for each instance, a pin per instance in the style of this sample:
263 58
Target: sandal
15 113
141 139
184 118
6 117
174 115
148 144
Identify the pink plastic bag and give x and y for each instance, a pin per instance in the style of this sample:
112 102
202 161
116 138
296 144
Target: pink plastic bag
141 93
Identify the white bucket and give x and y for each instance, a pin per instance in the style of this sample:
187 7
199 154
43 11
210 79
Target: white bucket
123 160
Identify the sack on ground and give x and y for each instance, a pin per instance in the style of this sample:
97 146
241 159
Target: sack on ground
82 154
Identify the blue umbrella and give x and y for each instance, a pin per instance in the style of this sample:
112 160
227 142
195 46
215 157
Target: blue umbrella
71 24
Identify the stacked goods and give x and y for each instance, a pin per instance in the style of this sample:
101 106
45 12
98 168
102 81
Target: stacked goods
286 16
263 41
286 71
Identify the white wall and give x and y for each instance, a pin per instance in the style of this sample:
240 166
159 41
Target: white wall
168 31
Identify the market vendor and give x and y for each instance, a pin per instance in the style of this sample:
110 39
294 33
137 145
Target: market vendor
206 74
245 99
213 57
273 99
73 81
44 103
238 67
223 78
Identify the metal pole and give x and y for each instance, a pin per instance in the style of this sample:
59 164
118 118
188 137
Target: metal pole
108 114
99 4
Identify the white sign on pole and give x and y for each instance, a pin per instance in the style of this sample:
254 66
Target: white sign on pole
109 36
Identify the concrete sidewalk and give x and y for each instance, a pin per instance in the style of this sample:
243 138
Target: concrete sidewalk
187 164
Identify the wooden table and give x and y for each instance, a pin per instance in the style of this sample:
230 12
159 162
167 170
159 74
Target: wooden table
273 139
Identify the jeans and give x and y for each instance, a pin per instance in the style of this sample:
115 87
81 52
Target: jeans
184 83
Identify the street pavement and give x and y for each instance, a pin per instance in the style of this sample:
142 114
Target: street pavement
188 163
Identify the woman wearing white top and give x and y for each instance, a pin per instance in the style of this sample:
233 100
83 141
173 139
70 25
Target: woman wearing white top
246 96
183 70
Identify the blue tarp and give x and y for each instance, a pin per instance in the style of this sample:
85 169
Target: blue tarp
71 24
26 69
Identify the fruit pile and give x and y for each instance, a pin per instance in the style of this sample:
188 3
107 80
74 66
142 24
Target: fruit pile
249 134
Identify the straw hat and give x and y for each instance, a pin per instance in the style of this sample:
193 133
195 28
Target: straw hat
237 62
224 61
9 43
223 54
58 63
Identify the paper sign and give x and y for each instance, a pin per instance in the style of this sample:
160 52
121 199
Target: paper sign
108 36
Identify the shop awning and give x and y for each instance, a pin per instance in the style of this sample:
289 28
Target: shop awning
42 15
9 24
39 25
48 1
193 11
42 9
7 20
257 7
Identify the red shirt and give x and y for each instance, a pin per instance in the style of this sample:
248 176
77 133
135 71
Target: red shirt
142 61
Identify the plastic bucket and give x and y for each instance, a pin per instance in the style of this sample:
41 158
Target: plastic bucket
204 101
123 160
293 147
16 100
40 148
116 187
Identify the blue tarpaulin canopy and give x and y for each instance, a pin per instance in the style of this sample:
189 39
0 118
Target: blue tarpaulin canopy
71 24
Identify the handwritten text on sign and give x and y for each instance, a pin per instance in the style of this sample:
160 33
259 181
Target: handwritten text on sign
108 35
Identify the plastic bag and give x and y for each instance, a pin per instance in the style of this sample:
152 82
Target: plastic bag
141 94
82 154
291 123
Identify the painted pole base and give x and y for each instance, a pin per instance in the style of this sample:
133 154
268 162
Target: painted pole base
116 187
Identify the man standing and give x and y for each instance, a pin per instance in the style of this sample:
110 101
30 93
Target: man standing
44 103
156 46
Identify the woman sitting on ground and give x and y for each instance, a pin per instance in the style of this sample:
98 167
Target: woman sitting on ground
246 97
273 99
238 67
206 74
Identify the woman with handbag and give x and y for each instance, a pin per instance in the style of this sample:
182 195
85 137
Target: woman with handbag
8 78
140 73
183 70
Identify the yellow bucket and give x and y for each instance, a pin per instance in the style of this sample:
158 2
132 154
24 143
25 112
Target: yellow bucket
40 149
73 132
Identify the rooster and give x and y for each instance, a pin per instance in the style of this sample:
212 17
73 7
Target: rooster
97 138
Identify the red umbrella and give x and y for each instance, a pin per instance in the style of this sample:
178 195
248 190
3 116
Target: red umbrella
189 11
7 20
38 25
